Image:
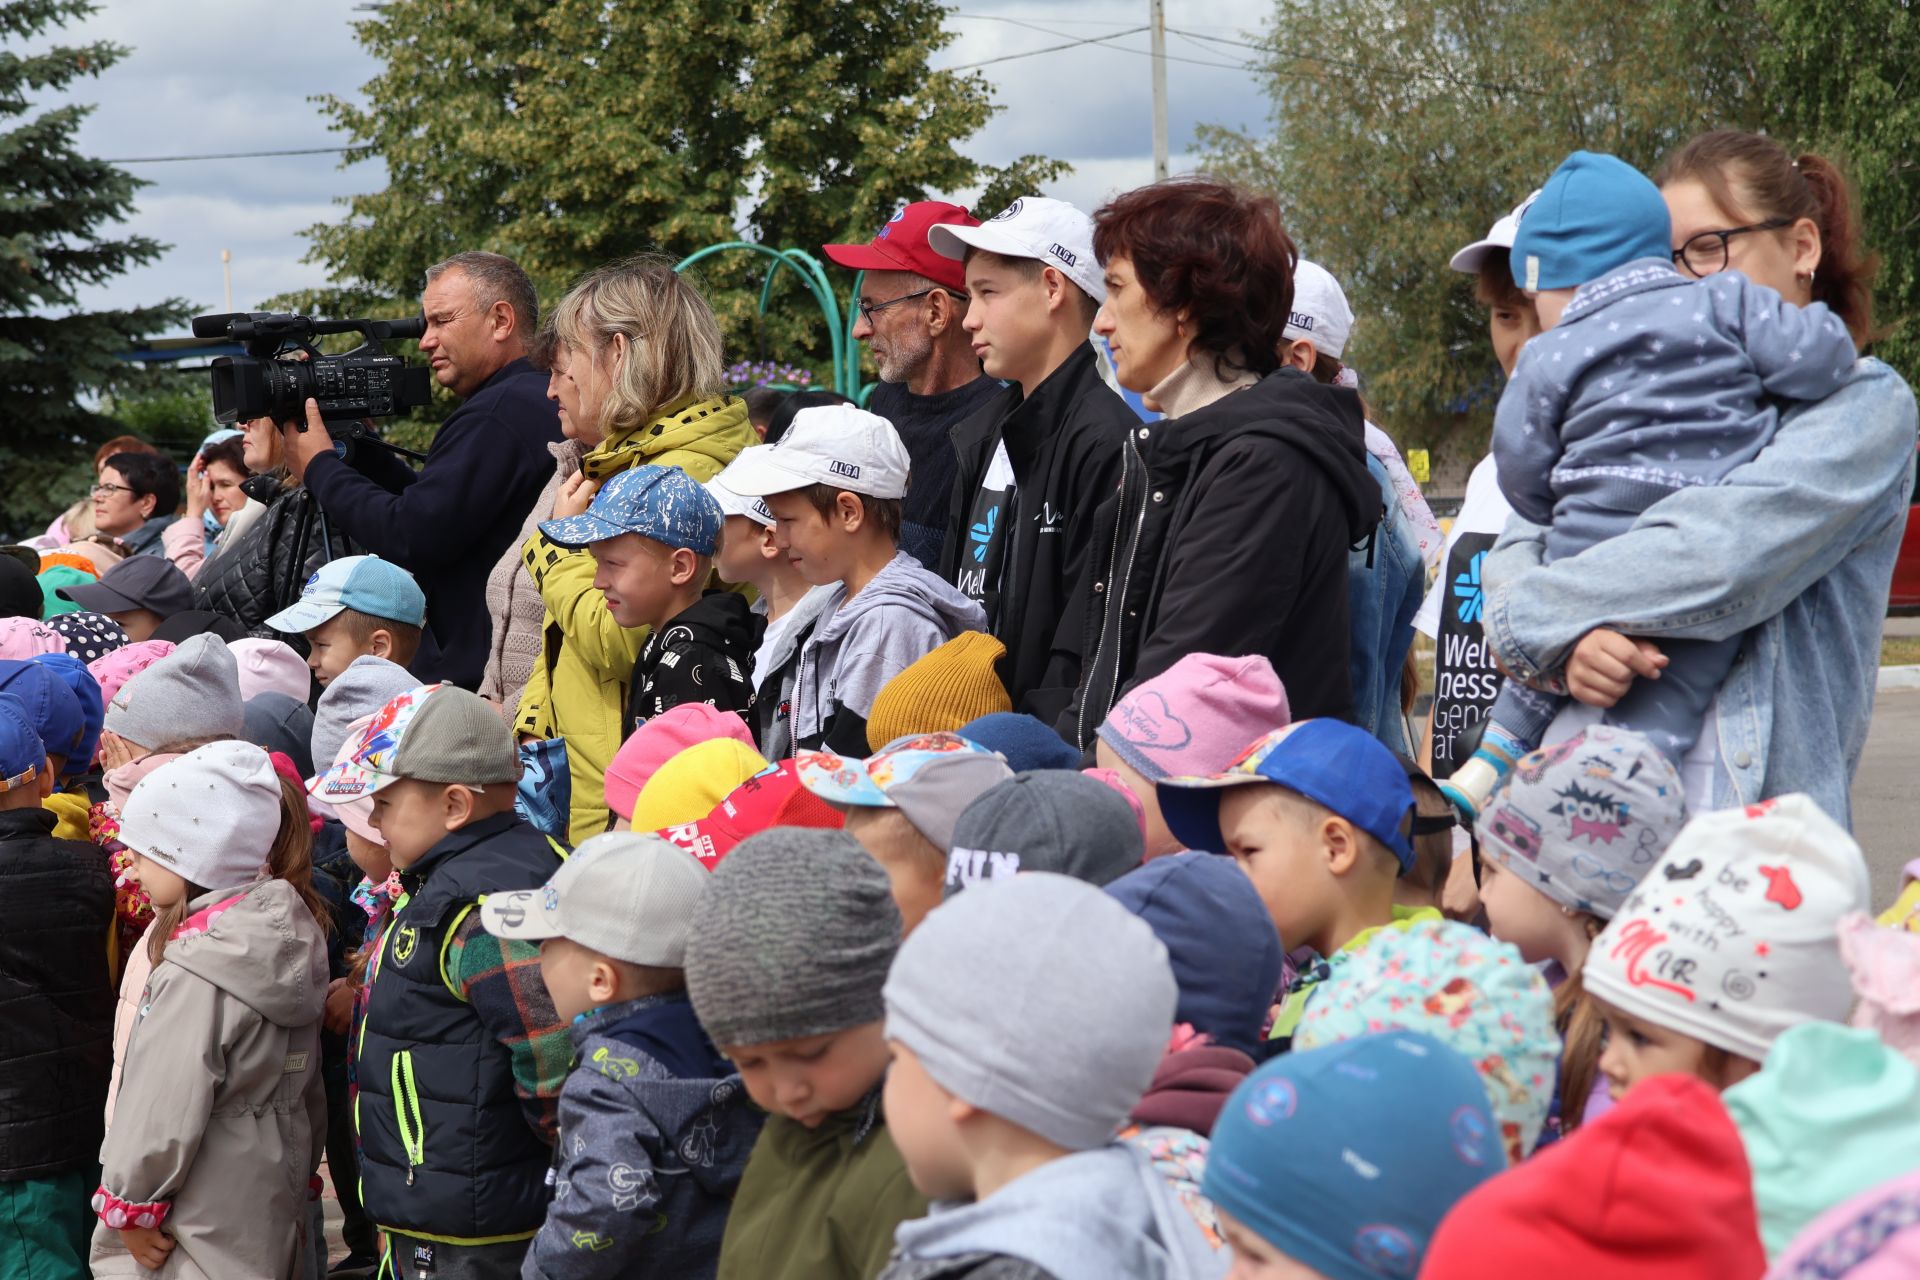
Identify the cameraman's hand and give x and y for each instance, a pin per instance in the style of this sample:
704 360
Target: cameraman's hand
575 496
298 449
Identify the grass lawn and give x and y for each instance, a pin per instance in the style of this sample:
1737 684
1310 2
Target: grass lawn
1900 651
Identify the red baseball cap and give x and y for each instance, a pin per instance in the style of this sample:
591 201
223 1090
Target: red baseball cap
902 245
771 798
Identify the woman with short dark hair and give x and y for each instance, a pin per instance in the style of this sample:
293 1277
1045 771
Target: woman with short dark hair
1230 531
135 499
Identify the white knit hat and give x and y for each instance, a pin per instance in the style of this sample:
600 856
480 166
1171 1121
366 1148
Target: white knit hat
1731 938
209 817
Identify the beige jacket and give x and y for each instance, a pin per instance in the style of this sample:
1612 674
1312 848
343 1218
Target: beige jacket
514 603
222 1117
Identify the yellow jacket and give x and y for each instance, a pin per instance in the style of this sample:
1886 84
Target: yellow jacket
578 690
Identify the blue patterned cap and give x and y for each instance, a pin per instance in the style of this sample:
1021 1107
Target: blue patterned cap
1346 1158
662 503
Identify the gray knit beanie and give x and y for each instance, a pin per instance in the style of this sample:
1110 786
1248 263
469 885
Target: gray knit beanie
1038 999
368 684
791 937
191 695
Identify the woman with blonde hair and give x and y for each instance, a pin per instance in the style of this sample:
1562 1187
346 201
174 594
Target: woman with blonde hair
636 366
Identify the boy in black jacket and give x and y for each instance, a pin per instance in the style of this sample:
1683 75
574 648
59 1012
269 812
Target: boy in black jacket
1037 459
653 532
56 1002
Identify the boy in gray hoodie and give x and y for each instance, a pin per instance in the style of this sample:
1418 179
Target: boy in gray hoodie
834 485
1007 1088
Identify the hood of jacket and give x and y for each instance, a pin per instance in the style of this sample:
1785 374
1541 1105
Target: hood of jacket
902 584
263 948
714 429
1104 1212
1324 423
720 619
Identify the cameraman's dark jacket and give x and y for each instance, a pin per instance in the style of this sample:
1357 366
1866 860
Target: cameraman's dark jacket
449 523
263 572
1229 535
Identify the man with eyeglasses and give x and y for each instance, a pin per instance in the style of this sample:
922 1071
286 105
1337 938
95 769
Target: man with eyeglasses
911 303
449 523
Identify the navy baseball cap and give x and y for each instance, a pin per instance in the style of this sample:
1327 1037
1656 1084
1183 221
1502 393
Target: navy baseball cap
21 754
50 705
662 503
365 584
1330 762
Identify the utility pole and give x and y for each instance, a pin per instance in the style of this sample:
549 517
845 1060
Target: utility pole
1158 12
226 275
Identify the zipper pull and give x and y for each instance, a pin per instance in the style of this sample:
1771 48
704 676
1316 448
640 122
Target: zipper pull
409 1175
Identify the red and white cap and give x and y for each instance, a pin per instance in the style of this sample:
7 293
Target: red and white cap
1500 236
902 245
1051 232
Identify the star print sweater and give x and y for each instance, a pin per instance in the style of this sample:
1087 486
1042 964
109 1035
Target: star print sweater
1653 382
655 1129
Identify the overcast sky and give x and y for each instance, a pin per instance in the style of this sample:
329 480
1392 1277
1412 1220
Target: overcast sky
235 75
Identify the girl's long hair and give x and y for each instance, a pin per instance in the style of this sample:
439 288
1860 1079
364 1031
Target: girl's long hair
290 858
1583 1035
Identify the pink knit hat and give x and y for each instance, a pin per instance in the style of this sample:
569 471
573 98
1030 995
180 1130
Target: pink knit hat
271 666
23 638
1196 717
660 740
123 664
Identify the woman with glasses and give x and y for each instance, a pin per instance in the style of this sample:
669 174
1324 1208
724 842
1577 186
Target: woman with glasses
135 498
1792 553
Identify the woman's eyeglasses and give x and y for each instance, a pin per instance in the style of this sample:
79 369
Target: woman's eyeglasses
1706 253
102 489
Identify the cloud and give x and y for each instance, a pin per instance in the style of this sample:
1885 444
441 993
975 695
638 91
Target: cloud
218 76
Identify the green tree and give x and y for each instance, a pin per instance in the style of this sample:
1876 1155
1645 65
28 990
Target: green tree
56 206
569 133
1401 130
1842 74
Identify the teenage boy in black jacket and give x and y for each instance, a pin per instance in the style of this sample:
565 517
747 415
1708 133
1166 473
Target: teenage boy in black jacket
1037 459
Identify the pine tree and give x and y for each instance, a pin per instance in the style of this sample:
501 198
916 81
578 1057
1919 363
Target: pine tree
566 133
56 211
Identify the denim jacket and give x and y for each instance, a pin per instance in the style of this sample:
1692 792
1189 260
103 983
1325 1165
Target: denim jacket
1795 550
1386 580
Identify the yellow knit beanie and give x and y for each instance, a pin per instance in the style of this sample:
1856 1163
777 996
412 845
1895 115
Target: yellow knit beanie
687 787
951 686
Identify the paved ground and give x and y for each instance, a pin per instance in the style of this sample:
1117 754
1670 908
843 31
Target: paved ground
1886 792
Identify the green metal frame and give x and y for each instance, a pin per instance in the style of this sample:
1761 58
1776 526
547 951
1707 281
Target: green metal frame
813 277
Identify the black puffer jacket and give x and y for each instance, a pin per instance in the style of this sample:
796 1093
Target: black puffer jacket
262 573
1229 535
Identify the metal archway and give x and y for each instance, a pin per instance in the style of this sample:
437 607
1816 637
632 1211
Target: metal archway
845 351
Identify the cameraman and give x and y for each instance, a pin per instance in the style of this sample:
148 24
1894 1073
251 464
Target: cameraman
448 523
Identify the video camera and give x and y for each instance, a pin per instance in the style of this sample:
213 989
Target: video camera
364 383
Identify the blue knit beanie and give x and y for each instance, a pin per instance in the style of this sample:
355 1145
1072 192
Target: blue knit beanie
1596 214
1024 742
1346 1158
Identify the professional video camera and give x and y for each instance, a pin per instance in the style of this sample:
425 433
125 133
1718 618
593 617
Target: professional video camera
364 383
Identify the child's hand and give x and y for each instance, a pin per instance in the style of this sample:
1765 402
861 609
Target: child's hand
338 1017
148 1245
1605 664
575 496
115 751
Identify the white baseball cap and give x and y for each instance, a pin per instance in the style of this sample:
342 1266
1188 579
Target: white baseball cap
624 894
1499 237
1052 232
1320 312
738 504
834 444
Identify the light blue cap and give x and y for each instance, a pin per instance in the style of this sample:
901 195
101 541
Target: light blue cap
662 503
366 584
1596 214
